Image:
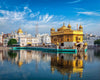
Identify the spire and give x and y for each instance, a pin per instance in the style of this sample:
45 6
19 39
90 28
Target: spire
77 26
36 28
63 24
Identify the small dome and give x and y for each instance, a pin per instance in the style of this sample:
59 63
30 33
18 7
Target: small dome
52 29
19 30
75 44
85 44
69 26
80 27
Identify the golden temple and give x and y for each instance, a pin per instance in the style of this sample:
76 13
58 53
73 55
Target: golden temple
66 34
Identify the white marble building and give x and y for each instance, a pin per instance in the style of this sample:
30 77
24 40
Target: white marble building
23 39
0 38
89 38
44 38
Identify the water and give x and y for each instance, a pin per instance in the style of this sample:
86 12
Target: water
37 65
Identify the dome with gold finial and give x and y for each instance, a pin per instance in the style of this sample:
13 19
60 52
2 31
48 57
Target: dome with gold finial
69 26
85 44
80 27
52 29
19 30
75 44
63 27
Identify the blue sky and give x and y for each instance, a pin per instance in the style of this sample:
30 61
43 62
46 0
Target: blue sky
48 14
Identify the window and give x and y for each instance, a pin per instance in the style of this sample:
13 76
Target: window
67 39
55 39
62 44
76 38
61 39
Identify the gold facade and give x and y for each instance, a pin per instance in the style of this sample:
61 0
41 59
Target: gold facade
66 34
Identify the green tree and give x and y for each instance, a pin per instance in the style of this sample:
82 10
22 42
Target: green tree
97 41
12 41
12 54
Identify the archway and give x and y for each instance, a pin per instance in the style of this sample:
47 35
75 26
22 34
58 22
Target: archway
29 44
79 45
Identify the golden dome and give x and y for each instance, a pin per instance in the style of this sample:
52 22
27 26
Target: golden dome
19 30
52 29
20 63
75 44
69 26
63 27
80 27
85 44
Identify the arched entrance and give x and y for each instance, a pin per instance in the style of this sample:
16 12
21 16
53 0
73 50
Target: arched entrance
29 44
79 45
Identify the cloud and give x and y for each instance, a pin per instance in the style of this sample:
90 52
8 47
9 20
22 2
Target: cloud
10 15
27 9
89 13
75 1
47 18
26 19
32 15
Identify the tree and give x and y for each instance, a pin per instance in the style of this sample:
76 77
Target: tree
97 41
12 54
12 41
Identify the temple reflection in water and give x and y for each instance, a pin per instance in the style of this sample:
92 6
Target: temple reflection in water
66 64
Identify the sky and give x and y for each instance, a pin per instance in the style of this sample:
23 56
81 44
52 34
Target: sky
25 14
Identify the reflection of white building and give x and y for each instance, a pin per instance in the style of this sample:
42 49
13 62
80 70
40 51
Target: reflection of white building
89 42
24 56
24 39
91 56
44 38
1 39
1 58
